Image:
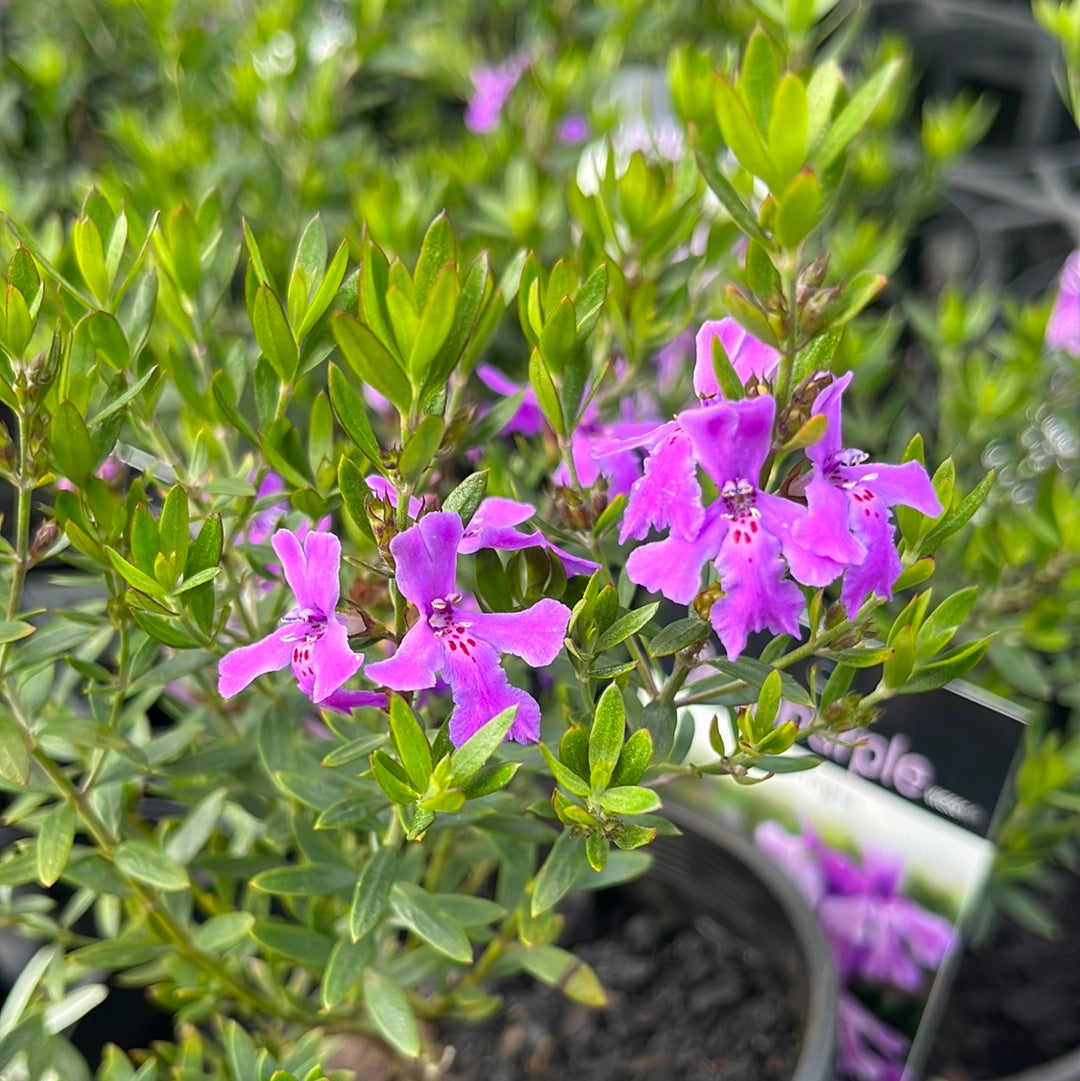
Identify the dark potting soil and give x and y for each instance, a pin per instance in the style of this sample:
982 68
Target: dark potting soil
687 1001
1016 1002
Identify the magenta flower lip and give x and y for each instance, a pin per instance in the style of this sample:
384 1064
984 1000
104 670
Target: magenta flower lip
463 645
312 637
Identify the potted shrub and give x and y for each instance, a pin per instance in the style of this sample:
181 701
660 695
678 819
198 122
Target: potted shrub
374 670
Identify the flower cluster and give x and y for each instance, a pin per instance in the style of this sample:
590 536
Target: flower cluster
758 540
877 936
450 637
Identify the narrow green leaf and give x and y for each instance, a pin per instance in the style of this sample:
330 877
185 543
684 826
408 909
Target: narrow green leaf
627 624
467 496
299 944
562 970
629 800
307 880
372 361
134 577
71 447
787 127
438 249
324 295
391 778
345 972
420 449
410 743
90 257
564 776
798 210
391 1013
741 133
435 323
725 191
563 864
758 77
467 759
173 526
854 116
55 837
148 864
372 892
422 914
272 334
352 416
606 736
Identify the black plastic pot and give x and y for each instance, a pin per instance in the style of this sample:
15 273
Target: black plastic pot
724 875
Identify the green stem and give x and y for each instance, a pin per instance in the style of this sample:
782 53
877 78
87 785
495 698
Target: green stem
21 561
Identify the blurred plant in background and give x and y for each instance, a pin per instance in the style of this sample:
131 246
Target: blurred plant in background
231 269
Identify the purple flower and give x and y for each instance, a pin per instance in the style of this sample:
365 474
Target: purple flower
492 526
572 129
263 524
869 1050
528 420
461 644
312 638
848 499
1063 328
744 532
605 450
749 357
491 87
878 934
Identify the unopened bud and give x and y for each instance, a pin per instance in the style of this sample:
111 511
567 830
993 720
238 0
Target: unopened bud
811 277
705 600
44 539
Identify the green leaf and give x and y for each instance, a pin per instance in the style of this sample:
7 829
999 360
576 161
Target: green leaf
203 555
410 743
148 864
134 577
854 296
741 133
547 397
326 292
344 973
435 323
854 116
467 759
562 970
952 665
56 834
564 776
272 334
390 1013
173 526
821 93
817 355
677 636
256 256
182 237
90 257
629 800
392 779
372 361
70 442
558 338
606 736
372 892
420 449
563 864
768 704
422 914
220 932
352 416
787 127
299 944
307 880
438 249
957 515
14 630
589 301
942 624
467 496
725 191
627 624
634 759
898 667
798 211
758 76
